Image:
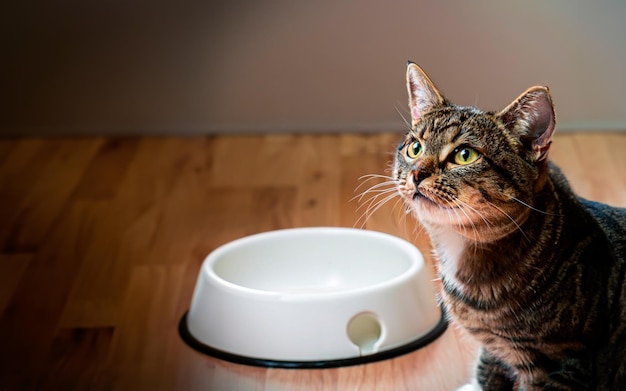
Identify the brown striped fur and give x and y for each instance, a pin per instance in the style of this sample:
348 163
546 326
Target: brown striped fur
528 268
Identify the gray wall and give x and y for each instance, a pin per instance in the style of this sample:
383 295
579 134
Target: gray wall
117 66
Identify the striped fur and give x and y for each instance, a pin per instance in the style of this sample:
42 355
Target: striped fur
528 268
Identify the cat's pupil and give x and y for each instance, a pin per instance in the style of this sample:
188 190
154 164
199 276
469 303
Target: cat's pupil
414 149
465 154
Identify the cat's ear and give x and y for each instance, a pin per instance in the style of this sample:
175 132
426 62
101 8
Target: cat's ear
531 118
423 95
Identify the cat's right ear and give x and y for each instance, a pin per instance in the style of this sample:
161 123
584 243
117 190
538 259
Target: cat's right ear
531 118
423 95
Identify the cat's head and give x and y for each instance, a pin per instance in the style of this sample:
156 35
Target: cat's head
474 171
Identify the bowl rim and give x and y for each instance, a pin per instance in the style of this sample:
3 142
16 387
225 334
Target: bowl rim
413 254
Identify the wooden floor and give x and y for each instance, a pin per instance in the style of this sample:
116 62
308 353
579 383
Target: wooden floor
101 240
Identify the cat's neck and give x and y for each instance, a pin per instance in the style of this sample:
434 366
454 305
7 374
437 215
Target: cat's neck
482 270
485 255
449 248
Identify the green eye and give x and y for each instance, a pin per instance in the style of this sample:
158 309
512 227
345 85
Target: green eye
465 155
414 150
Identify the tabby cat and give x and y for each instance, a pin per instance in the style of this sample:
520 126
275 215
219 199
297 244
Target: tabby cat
532 271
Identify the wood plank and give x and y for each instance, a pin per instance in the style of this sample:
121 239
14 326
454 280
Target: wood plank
77 359
17 168
12 269
103 175
320 173
266 160
28 324
6 147
89 313
149 313
46 185
100 278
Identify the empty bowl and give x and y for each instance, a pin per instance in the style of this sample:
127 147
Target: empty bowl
313 298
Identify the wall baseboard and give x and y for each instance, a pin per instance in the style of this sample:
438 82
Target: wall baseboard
241 129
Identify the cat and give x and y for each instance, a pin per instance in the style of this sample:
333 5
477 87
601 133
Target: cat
533 272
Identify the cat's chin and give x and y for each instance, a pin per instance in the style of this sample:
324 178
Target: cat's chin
438 218
429 211
447 217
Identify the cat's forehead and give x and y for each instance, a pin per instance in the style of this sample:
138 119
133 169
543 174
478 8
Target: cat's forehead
448 123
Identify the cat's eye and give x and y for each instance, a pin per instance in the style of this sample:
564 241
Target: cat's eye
414 150
465 155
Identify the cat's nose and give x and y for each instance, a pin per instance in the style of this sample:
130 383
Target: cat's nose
419 176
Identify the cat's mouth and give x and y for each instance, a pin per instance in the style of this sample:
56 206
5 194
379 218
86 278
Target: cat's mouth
421 195
430 200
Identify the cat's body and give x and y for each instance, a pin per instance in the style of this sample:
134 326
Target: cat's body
535 273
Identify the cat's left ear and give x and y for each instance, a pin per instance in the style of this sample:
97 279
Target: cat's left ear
423 95
531 118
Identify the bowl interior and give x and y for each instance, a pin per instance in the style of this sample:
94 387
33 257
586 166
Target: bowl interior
312 261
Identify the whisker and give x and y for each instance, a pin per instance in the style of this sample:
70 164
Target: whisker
373 207
510 218
381 184
367 178
373 194
487 222
374 197
460 205
406 122
375 189
529 206
378 204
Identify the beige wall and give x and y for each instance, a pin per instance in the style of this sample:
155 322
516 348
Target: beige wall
215 66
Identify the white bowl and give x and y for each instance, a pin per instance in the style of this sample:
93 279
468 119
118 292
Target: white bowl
313 297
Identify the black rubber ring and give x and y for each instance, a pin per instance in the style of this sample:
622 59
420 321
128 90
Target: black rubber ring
260 362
